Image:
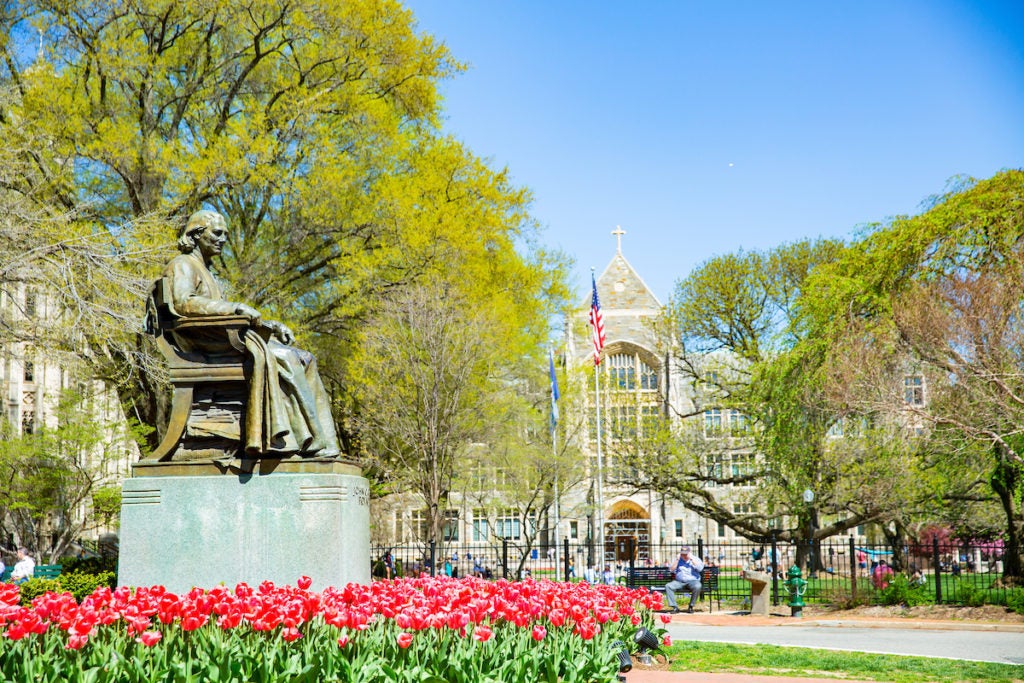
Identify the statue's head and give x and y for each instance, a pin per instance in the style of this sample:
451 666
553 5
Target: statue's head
197 222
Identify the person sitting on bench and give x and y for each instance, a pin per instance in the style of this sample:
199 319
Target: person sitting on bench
687 575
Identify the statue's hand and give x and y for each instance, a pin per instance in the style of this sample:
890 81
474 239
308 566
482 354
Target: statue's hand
249 312
281 331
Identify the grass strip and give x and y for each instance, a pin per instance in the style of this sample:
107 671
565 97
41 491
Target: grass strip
774 660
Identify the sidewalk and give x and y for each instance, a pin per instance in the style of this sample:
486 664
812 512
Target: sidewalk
780 618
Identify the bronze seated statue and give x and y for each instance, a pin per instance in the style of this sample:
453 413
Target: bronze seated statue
241 390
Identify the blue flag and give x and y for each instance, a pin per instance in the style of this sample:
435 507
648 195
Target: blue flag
554 389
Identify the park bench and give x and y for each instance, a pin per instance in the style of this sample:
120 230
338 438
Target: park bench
655 578
42 571
46 571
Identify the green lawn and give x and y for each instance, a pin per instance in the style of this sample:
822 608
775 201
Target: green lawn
772 660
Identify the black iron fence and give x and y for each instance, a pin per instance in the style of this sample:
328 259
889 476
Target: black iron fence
838 570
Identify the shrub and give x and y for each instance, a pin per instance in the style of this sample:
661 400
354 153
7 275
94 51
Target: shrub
1015 601
901 592
33 588
89 565
970 595
81 584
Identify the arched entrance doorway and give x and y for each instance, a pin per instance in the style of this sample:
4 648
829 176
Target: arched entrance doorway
627 532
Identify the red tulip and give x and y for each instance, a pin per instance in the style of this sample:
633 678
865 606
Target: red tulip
304 583
482 633
76 642
150 638
539 632
404 639
343 640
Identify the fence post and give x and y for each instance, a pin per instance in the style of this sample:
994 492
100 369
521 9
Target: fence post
629 549
433 558
565 557
773 563
504 558
700 547
937 567
853 572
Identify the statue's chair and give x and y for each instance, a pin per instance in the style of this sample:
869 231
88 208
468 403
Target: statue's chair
208 404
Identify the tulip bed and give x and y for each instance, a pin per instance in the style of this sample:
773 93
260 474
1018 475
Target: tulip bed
426 629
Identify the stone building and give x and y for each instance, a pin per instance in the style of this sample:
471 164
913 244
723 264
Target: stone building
636 388
32 381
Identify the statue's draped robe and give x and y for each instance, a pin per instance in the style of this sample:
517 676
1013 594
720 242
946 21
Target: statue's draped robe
287 409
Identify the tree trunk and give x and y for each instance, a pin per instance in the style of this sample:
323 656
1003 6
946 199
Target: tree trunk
1007 482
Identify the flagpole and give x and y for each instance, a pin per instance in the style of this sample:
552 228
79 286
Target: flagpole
600 467
554 455
597 322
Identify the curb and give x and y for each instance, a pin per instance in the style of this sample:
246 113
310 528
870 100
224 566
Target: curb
783 621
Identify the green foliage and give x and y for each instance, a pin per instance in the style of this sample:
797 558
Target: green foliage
81 584
33 588
106 503
312 126
970 594
52 472
373 655
89 565
772 660
1015 600
901 592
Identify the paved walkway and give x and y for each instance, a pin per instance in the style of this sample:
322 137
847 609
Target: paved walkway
731 623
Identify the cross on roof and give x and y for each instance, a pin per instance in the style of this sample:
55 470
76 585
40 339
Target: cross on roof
618 232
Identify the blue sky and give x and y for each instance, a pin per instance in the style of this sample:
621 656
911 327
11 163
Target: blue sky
705 128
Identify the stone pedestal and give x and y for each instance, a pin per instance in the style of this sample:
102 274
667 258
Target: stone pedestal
759 593
185 525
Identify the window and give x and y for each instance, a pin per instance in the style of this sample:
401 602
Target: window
450 525
508 526
738 423
623 421
721 530
30 303
742 464
715 469
648 377
678 528
713 422
418 525
649 419
913 390
742 508
622 371
574 530
30 371
500 477
480 476
481 529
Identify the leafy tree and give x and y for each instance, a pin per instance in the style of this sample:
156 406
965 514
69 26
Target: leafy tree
519 471
313 126
53 473
940 294
734 330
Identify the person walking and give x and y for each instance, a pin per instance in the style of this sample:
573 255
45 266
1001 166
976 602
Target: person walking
687 575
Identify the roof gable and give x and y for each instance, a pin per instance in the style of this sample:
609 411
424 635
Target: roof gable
621 288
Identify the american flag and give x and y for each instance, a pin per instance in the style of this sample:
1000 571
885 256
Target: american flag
596 322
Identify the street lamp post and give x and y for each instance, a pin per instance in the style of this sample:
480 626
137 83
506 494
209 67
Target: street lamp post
809 500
